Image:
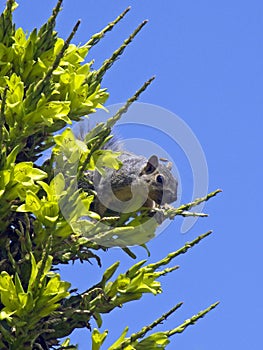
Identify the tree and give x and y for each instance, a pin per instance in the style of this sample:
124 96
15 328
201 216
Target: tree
46 217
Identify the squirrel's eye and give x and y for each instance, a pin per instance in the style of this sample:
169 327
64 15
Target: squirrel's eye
160 179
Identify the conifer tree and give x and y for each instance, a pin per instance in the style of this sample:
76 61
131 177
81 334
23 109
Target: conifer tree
46 84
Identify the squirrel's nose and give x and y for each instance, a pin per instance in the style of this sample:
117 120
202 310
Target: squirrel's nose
169 196
170 193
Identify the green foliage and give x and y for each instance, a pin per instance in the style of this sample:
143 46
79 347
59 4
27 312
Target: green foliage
23 309
157 340
27 308
46 83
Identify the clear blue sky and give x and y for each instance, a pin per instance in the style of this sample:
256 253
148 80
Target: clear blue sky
207 56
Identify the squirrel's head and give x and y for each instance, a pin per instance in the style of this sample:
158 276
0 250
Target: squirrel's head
162 183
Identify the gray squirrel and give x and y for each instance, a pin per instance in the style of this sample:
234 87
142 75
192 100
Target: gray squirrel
139 183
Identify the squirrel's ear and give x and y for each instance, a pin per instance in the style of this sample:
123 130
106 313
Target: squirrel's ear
151 166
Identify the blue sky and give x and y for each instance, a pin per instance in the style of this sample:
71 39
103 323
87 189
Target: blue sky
207 58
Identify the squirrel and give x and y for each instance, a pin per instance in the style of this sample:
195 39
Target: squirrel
138 183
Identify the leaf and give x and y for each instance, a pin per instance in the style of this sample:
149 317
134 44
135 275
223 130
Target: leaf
10 159
6 315
120 339
25 173
106 158
32 204
67 345
109 273
18 284
135 268
4 179
98 318
98 338
8 292
33 275
155 341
